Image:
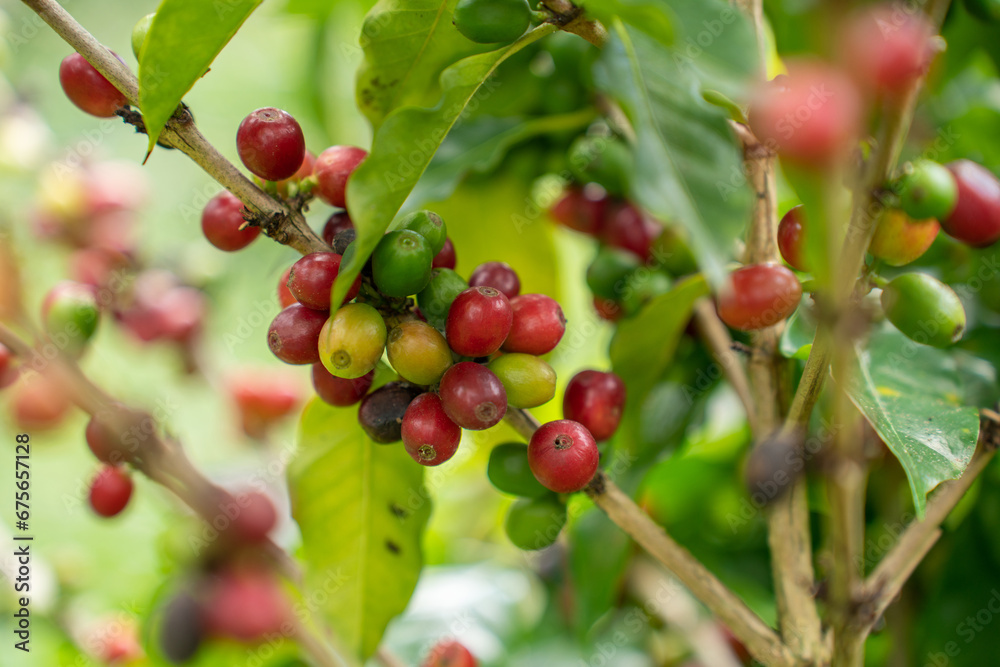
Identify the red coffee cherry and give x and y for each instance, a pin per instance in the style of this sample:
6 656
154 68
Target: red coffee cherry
563 456
608 310
478 321
976 218
39 403
812 116
294 334
88 89
8 373
472 396
429 435
221 221
285 296
270 144
626 227
582 209
263 398
245 605
498 275
110 491
312 277
333 167
596 400
537 326
340 392
445 259
335 224
888 47
759 296
256 517
103 442
449 653
791 238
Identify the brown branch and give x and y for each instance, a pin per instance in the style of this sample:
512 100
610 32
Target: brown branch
276 219
718 341
571 18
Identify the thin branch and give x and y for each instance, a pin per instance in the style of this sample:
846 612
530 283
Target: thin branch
275 218
716 337
571 18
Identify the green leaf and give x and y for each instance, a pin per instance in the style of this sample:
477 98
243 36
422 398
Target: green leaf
598 556
183 40
362 508
688 167
407 45
403 147
912 396
652 18
797 338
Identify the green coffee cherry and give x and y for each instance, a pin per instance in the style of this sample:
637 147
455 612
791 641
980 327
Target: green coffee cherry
927 190
508 471
672 252
607 275
535 523
492 21
429 225
139 33
924 309
71 316
401 263
418 352
606 161
352 341
435 299
528 380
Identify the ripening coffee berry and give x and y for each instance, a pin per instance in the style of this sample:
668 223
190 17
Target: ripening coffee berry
478 321
596 400
102 441
311 280
38 402
535 523
538 324
492 21
181 628
429 435
418 352
976 218
263 398
449 653
608 274
509 472
71 315
256 517
88 89
139 32
445 259
401 263
245 605
528 380
110 491
333 167
630 229
791 238
285 296
498 275
927 190
340 392
759 296
582 209
352 341
563 456
887 48
435 300
472 396
924 309
336 223
271 144
382 411
899 240
294 334
221 222
429 225
827 134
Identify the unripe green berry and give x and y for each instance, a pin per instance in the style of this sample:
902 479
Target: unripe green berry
401 263
528 380
606 161
924 309
492 21
535 523
429 225
607 275
352 341
71 316
508 471
927 190
435 300
139 33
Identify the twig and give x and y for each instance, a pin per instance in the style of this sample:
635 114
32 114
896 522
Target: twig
571 18
277 220
716 337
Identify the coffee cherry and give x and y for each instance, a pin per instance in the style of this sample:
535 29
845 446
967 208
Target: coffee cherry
401 263
340 392
294 334
535 523
181 630
429 225
773 466
478 321
608 310
110 491
39 403
336 223
898 240
538 325
88 89
256 517
429 435
563 456
221 221
382 411
607 275
333 167
887 48
449 653
446 258
418 352
352 341
71 315
435 300
791 238
492 21
8 373
263 398
825 135
606 161
984 10
311 280
245 605
528 380
271 144
103 443
139 33
927 190
924 309
509 472
497 275
596 400
472 396
759 296
285 296
343 240
628 228
976 218
582 209
672 250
